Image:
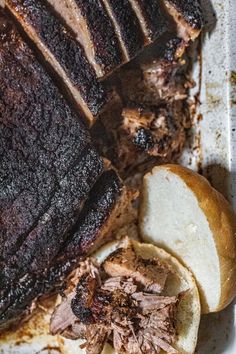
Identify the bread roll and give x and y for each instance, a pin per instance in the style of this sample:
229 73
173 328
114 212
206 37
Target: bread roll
183 214
189 312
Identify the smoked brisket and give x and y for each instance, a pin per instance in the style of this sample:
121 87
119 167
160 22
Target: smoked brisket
63 52
152 18
91 229
97 34
48 170
127 26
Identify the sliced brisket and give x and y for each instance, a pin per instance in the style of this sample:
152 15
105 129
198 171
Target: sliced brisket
187 15
91 229
97 34
63 52
127 26
125 263
151 17
47 169
103 212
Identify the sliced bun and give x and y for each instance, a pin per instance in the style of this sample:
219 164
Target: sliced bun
188 315
182 213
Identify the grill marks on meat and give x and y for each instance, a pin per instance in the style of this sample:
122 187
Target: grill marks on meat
151 17
118 309
90 230
97 34
64 54
127 26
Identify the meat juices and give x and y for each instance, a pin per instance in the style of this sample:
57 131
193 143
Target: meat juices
120 301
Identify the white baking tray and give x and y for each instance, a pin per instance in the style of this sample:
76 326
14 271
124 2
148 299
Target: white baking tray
218 147
213 150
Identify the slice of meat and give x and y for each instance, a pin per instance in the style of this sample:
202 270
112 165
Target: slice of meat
127 26
107 210
47 169
149 302
63 317
51 230
120 283
91 229
97 34
187 15
125 263
64 54
151 17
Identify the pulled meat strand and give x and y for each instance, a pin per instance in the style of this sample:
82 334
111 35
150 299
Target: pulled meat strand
119 308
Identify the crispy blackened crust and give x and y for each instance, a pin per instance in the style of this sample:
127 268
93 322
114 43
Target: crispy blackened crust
40 140
44 241
108 53
190 10
104 198
90 230
153 17
172 49
43 26
47 165
129 27
16 300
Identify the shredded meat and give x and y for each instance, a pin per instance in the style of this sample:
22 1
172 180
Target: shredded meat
121 302
149 272
148 120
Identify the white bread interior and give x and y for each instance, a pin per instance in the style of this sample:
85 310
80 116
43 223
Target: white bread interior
182 213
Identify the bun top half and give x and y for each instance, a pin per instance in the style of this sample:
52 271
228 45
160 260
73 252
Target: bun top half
184 214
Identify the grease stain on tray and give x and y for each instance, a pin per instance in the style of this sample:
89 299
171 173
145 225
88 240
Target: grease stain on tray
233 78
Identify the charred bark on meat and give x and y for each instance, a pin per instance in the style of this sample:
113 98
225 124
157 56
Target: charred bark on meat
100 32
63 52
127 26
152 18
